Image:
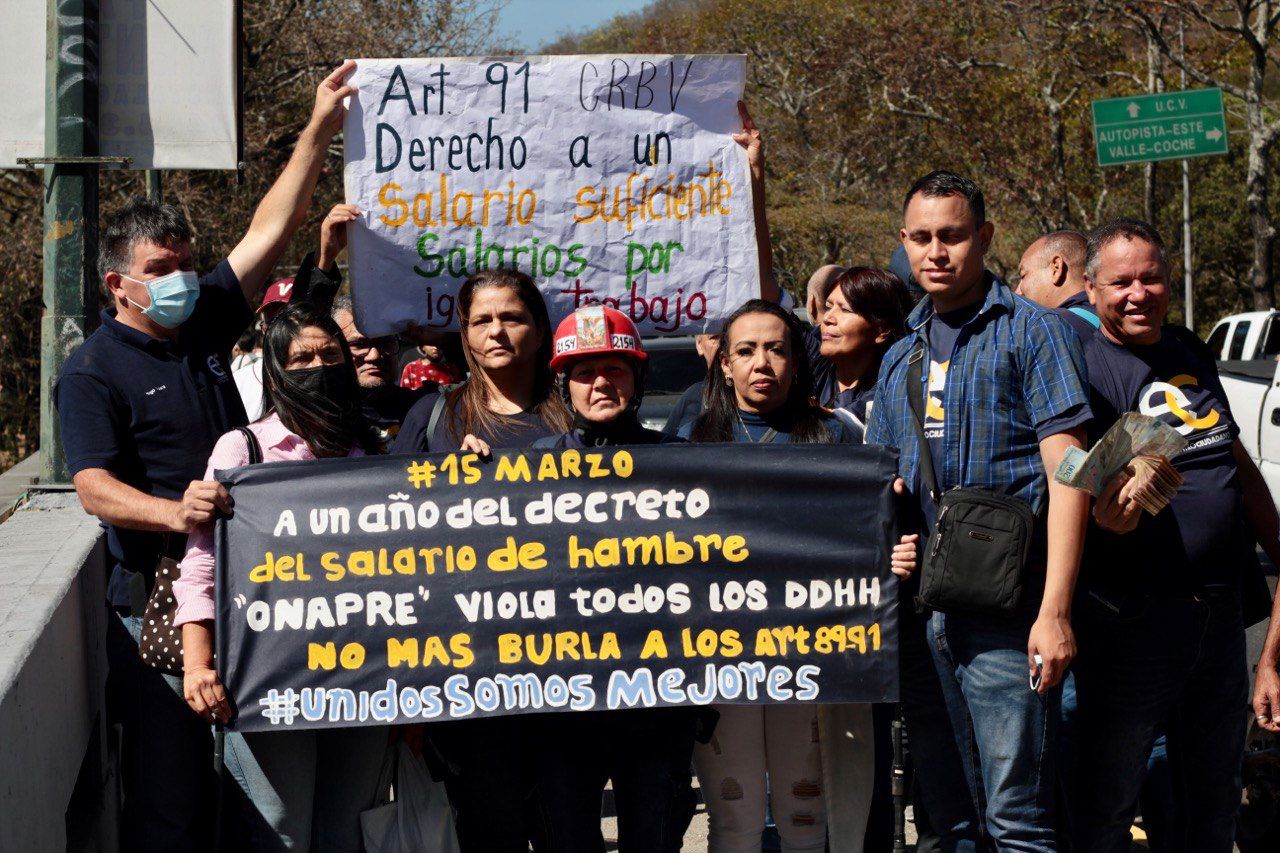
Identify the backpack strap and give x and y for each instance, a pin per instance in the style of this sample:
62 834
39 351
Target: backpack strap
437 409
1086 315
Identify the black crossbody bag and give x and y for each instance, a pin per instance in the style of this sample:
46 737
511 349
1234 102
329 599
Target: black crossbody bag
976 554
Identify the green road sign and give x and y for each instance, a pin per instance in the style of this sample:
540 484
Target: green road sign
1162 126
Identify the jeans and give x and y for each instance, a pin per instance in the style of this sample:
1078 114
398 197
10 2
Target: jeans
1180 663
1006 731
645 752
751 742
941 789
1159 800
166 758
488 776
306 789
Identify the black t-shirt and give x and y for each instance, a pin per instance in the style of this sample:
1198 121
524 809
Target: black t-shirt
521 430
1200 538
149 411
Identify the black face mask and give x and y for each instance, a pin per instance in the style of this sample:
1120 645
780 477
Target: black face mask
333 382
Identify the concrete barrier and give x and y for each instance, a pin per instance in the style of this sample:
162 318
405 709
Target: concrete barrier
57 780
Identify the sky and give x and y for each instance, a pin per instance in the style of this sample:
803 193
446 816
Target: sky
533 23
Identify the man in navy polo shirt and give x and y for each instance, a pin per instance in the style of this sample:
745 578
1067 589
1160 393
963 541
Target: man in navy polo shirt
1051 274
1162 640
142 403
1005 396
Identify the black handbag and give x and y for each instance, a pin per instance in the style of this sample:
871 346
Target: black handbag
977 553
160 643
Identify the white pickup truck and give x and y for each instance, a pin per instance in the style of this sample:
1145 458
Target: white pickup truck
1253 393
1245 337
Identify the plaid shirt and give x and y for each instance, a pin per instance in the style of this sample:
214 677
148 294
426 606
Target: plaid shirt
1016 376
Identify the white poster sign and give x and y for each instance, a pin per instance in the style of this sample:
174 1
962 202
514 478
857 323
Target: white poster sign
608 179
167 83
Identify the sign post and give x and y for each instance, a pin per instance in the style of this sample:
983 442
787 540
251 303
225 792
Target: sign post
70 209
1159 126
1163 126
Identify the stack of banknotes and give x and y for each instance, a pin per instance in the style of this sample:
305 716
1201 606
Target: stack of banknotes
1137 445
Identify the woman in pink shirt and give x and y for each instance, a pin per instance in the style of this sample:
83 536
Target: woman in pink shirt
306 788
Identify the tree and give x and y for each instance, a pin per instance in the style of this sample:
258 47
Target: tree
289 46
1220 33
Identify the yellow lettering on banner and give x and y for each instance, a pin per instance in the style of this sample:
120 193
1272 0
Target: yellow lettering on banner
352 656
547 469
655 645
508 648
511 556
403 561
597 469
512 468
333 570
433 651
406 652
460 645
402 652
765 646
678 553
322 656
649 548
735 549
571 462
361 563
286 567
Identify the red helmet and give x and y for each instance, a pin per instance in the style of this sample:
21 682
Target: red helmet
595 330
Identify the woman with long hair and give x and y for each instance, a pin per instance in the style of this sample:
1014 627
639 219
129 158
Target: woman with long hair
509 402
761 394
305 788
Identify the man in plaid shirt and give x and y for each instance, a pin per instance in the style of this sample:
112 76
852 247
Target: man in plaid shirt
1005 397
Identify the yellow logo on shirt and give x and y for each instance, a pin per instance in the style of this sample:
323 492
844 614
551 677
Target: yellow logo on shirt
1169 397
937 384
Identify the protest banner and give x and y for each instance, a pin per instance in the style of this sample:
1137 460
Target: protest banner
398 589
609 179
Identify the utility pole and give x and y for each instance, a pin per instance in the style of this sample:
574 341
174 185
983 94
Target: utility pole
1189 297
70 206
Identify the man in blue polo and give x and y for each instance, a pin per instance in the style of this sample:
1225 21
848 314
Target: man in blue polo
141 403
1005 396
1051 274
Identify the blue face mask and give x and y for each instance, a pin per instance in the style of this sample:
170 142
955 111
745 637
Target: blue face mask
173 297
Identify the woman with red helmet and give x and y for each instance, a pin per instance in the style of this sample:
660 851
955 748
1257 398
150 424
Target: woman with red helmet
600 367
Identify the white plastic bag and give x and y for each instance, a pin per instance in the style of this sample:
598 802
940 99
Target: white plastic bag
419 819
